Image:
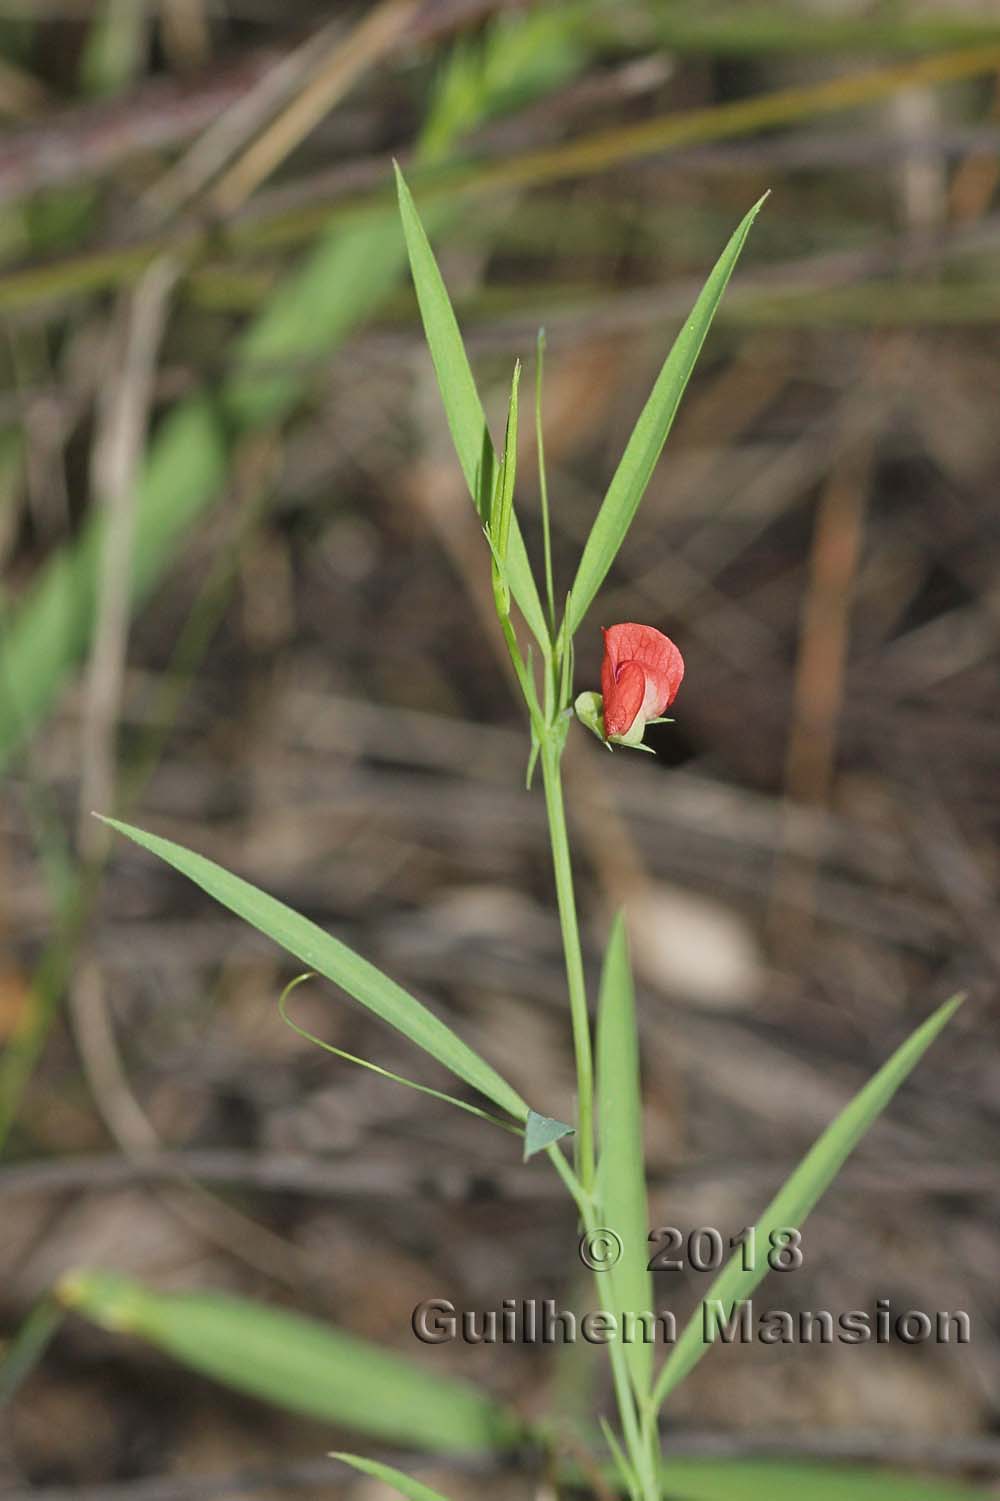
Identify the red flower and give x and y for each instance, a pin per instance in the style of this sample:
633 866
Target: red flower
640 676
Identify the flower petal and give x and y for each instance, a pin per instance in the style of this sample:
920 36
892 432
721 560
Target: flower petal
624 693
656 654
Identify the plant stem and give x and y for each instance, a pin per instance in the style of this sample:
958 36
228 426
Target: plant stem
638 1427
562 867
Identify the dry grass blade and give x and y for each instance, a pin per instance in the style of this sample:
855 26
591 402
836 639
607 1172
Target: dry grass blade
370 40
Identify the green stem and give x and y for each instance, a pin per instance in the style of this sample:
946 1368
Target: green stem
563 869
648 1453
638 1428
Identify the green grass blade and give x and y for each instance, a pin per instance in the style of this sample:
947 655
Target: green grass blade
796 1198
413 1489
621 1181
296 1363
783 1480
328 956
464 410
650 433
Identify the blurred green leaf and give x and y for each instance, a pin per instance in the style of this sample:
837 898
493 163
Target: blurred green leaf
650 433
523 54
464 410
796 1198
50 628
394 1478
784 1480
342 281
116 42
296 1363
621 1179
328 956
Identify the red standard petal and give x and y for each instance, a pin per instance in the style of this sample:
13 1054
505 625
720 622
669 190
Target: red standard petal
661 663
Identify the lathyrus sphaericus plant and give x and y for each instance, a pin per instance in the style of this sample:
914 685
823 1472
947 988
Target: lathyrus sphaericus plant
640 676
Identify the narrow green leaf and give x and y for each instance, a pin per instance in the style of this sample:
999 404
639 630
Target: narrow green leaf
541 1131
791 1480
328 956
796 1198
503 500
296 1363
464 410
621 1179
650 433
626 1474
413 1489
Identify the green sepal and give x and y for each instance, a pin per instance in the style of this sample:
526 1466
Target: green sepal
589 707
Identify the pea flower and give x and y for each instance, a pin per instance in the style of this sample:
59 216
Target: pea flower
640 675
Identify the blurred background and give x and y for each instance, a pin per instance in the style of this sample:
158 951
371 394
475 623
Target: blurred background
246 604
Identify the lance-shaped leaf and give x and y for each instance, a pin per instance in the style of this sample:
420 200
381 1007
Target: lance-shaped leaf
296 1363
621 1180
798 1196
650 433
462 405
328 956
